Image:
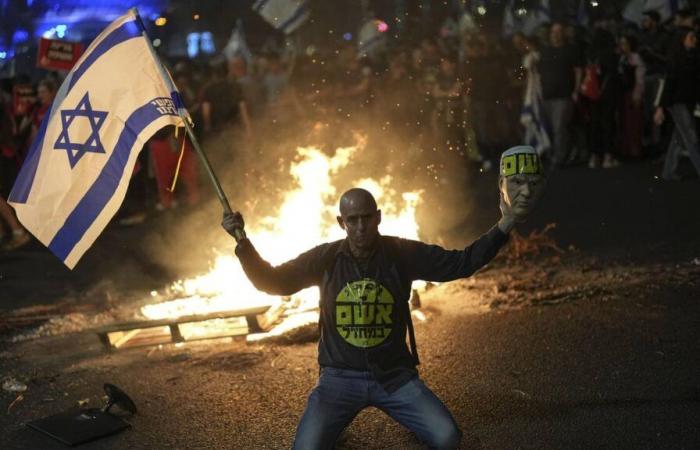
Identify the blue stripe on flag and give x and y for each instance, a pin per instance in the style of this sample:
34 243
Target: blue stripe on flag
177 100
104 187
301 10
127 31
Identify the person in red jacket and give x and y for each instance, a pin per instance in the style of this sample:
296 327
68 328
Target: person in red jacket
165 151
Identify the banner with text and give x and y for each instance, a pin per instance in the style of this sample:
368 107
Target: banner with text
58 55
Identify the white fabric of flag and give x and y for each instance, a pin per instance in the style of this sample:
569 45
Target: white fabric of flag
78 168
285 15
634 10
237 46
531 114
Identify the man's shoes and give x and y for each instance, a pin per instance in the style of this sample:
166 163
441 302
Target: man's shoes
19 239
609 162
594 162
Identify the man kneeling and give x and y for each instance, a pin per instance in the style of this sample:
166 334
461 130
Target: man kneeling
365 284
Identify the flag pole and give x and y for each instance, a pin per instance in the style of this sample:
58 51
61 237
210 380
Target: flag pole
238 233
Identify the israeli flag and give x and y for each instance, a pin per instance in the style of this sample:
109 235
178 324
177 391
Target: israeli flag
532 112
237 46
78 168
370 40
285 15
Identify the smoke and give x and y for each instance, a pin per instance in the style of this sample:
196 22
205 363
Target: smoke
255 174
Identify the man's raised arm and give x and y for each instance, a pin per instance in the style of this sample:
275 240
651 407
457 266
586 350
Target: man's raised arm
434 263
521 183
286 279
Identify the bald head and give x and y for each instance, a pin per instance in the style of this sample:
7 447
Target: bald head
357 199
360 219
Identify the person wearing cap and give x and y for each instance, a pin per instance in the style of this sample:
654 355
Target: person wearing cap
365 285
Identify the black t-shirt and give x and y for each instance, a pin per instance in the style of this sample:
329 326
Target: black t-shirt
224 96
364 310
682 85
556 68
488 78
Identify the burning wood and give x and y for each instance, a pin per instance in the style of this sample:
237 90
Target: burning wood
188 328
531 245
284 236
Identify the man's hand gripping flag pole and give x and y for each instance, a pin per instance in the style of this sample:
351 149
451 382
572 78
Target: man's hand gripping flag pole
182 112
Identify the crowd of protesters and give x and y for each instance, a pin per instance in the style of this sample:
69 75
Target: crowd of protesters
606 90
595 96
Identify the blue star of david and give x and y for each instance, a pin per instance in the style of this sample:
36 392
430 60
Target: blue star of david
93 144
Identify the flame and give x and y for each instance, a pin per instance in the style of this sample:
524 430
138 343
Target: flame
305 219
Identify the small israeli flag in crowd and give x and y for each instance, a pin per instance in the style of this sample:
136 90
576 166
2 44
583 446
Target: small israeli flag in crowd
532 112
78 168
285 15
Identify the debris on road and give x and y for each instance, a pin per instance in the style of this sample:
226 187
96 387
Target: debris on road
532 244
13 385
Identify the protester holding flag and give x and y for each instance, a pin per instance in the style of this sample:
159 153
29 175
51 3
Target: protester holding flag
364 282
532 112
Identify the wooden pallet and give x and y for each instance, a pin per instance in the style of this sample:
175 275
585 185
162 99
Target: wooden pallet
189 328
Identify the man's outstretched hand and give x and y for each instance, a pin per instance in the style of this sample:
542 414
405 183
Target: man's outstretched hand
234 225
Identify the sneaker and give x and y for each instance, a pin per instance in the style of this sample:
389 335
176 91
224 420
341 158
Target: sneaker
593 162
19 239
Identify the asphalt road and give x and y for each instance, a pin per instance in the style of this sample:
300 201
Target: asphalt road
613 371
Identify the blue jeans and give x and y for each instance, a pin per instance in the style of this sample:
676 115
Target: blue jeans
341 394
684 136
559 113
